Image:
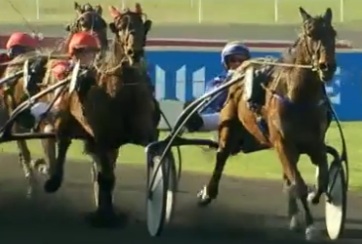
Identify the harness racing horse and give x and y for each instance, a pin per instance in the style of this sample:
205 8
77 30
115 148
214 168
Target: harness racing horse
110 106
135 48
89 18
16 91
295 109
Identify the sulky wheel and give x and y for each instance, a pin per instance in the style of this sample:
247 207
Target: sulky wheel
336 203
161 194
95 184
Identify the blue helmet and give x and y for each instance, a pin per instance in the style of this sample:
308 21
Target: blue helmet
234 48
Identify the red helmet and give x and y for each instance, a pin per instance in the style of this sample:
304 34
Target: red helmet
83 40
21 39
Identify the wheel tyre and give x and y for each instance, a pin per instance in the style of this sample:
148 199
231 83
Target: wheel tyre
172 189
160 202
95 184
335 210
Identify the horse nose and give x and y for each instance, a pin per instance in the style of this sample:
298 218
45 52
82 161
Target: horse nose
130 52
323 66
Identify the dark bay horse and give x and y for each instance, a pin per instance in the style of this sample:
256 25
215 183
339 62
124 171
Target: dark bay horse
89 18
112 106
295 111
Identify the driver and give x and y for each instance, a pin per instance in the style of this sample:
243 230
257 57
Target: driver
232 56
82 47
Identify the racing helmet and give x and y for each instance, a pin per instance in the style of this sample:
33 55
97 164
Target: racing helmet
21 39
234 48
83 40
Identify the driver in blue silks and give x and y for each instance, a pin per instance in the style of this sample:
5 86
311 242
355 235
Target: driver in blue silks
232 56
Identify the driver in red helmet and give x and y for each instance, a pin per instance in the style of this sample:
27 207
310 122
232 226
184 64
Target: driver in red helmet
82 47
18 43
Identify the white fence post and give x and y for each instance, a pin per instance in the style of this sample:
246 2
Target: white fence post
276 11
200 11
341 10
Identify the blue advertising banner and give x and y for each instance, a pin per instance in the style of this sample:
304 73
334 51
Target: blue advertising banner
181 75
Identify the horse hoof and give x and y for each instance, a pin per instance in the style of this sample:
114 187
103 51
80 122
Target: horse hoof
44 170
295 223
312 233
203 197
313 198
52 184
38 163
103 220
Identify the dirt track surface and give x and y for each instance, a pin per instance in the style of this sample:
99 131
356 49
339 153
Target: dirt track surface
230 32
247 211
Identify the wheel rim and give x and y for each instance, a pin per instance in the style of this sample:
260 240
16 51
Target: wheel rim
156 205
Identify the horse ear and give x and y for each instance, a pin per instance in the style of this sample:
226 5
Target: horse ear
328 15
147 25
98 9
304 14
78 8
138 8
114 12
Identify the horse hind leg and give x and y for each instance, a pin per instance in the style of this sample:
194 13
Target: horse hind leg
319 159
289 158
293 210
228 139
25 162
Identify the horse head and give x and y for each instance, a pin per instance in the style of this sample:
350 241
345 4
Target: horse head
317 44
89 18
131 29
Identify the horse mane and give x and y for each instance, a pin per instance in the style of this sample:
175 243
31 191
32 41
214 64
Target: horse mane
110 56
16 63
290 55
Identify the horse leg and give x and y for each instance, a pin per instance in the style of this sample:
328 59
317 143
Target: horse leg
289 157
56 173
105 179
293 210
49 150
319 159
94 169
25 162
227 141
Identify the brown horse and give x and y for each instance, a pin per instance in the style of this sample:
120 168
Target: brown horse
89 19
112 106
16 92
295 109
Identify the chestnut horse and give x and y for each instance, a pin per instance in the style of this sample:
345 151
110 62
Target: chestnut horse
89 18
16 92
111 106
295 110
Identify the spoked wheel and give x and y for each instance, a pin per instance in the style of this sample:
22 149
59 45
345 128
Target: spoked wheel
336 205
161 194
